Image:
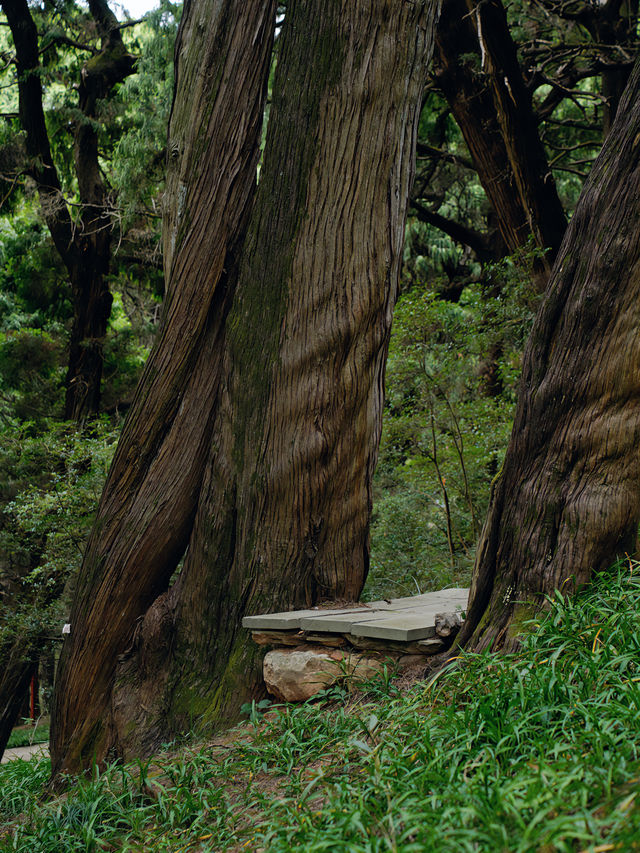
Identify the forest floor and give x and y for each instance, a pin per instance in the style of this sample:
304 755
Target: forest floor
537 751
25 752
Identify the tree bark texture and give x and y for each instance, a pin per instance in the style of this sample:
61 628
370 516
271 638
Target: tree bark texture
476 67
148 504
283 516
567 500
280 472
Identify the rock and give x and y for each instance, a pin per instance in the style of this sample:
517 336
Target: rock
277 638
447 624
293 675
334 640
431 646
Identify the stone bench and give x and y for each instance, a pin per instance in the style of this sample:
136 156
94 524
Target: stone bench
314 648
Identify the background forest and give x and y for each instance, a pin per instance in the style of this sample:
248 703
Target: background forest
488 208
537 750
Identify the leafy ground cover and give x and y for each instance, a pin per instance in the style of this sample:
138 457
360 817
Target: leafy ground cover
535 751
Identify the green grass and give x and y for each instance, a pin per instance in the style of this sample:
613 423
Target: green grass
534 752
27 735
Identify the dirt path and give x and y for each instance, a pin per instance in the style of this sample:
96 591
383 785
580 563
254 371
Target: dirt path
24 752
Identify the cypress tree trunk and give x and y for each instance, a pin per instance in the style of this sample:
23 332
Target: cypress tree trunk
567 501
292 425
148 504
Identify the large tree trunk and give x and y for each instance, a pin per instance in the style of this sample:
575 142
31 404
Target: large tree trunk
567 501
287 444
477 69
149 502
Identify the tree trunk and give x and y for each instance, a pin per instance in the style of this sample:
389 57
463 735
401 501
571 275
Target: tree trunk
567 501
89 267
294 413
147 508
477 69
613 25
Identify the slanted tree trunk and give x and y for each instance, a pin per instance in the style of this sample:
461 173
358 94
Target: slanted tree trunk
84 247
147 508
291 386
477 68
567 500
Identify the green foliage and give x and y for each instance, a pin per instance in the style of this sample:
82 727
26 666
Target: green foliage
35 320
140 149
28 735
527 752
443 436
52 484
22 783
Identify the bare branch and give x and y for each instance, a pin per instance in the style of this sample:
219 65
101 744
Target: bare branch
424 150
458 232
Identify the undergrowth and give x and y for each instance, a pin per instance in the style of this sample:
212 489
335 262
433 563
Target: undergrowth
28 735
538 751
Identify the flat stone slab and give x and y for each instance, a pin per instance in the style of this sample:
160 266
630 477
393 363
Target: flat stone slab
25 752
446 599
404 625
338 623
290 619
402 619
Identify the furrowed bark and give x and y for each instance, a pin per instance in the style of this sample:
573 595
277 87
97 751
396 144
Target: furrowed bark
295 407
284 511
147 508
567 501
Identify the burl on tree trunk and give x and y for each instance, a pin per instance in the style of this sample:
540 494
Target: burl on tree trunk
255 428
567 501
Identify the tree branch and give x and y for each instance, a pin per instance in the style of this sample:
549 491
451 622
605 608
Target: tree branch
424 150
458 232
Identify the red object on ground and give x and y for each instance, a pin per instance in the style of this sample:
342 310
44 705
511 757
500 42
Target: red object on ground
33 696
